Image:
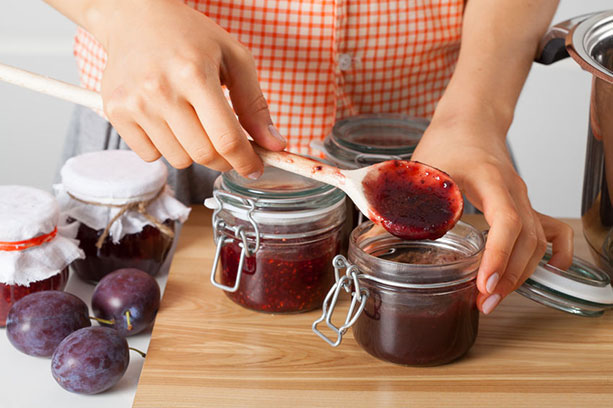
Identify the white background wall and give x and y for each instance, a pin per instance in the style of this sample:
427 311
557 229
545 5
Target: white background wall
548 135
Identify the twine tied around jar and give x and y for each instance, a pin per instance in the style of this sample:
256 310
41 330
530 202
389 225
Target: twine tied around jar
138 206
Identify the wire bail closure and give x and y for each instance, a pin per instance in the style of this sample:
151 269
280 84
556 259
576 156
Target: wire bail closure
349 282
239 231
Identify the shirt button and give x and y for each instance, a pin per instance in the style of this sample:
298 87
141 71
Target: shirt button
344 62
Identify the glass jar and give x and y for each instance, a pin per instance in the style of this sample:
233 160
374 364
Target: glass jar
413 302
276 238
359 141
35 248
125 212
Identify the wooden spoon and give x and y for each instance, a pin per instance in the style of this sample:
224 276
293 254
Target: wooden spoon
409 199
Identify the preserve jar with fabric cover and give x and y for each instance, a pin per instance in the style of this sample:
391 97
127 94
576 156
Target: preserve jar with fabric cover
124 210
276 238
414 302
35 249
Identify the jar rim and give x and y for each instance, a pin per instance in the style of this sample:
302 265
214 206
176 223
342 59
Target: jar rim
351 143
463 238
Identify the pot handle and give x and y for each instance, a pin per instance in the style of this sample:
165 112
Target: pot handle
552 46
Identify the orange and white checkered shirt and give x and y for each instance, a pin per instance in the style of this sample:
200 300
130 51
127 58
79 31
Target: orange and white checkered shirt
322 60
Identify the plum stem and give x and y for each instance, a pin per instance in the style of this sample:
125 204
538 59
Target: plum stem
143 355
103 321
128 320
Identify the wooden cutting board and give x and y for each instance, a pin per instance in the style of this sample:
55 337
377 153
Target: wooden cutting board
207 351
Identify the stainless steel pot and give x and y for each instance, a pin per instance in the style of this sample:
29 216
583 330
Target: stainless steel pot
588 39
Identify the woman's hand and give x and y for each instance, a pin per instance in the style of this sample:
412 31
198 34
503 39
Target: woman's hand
518 234
162 86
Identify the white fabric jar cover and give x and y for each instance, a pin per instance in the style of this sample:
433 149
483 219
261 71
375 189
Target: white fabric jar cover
96 185
30 248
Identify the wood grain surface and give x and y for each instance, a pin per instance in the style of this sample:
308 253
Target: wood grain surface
207 351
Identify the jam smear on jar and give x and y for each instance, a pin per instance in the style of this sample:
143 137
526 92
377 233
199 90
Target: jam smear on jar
9 294
412 200
145 250
283 278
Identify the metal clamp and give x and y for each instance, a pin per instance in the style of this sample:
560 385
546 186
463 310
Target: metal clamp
349 282
239 231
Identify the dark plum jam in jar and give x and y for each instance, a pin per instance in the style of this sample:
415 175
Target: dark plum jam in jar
145 250
126 213
9 294
418 297
276 238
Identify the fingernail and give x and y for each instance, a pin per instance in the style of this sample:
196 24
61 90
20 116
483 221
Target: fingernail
491 283
255 175
490 303
276 134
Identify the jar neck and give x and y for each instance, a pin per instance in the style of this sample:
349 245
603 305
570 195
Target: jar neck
448 261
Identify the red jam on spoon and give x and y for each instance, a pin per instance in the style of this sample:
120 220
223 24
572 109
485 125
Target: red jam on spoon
412 200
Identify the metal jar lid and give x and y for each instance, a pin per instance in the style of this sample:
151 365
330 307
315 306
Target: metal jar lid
583 289
362 140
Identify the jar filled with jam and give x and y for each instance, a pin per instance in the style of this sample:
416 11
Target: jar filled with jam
35 250
413 302
276 238
124 211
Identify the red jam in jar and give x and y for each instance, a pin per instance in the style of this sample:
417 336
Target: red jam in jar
145 250
282 279
9 294
293 228
419 296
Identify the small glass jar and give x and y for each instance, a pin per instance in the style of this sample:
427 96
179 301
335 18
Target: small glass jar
125 212
35 249
413 302
276 238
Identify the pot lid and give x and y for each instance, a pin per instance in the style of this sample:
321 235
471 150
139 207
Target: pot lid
583 289
590 43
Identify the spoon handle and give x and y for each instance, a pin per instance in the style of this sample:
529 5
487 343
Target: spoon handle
303 166
73 93
50 86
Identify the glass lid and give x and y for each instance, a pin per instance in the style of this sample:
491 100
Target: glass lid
274 184
583 289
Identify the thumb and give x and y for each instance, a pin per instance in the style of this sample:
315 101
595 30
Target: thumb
249 102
